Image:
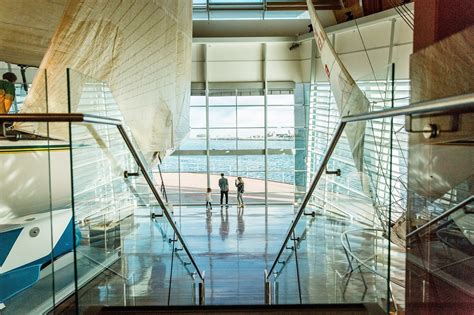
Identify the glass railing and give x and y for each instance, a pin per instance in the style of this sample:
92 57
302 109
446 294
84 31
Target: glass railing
317 266
75 213
440 255
36 225
346 243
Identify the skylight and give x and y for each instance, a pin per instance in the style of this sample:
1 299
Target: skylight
242 10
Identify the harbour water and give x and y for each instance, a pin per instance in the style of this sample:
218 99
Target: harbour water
250 165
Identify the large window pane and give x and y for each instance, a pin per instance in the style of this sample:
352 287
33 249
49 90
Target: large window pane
251 163
251 134
252 138
251 144
250 117
282 177
193 163
254 182
196 140
280 138
222 117
172 182
222 139
170 164
197 117
281 162
281 116
223 164
280 99
198 100
222 98
251 100
254 187
237 141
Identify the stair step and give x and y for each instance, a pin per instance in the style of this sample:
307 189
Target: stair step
326 309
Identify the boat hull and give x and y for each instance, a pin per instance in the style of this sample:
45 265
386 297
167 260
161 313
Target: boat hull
35 178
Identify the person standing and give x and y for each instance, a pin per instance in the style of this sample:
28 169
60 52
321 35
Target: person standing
7 92
239 183
224 186
209 199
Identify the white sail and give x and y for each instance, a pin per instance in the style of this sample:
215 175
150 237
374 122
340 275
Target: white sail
141 49
349 98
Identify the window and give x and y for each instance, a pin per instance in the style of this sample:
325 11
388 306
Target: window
236 144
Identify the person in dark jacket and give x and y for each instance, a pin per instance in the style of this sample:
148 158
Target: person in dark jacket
224 187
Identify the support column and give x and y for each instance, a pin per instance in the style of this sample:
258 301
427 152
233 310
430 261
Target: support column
265 140
206 83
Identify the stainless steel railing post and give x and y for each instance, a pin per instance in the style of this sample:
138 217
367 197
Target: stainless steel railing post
268 290
202 293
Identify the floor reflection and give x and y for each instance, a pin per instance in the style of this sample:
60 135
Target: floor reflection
235 257
224 227
240 222
158 275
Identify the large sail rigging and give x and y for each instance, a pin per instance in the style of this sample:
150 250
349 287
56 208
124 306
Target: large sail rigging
349 98
141 49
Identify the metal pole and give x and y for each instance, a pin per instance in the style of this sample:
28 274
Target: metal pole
267 288
206 78
463 102
236 136
42 117
202 293
73 203
265 123
460 205
390 172
295 242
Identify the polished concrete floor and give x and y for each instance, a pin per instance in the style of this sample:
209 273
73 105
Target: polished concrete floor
232 247
330 274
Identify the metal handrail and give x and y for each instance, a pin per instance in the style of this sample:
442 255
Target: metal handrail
362 262
460 205
59 117
459 103
157 196
84 118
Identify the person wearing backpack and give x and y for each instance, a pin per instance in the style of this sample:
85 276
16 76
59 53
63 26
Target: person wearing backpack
239 183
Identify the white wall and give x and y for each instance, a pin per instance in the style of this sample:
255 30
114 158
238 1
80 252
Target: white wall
242 59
